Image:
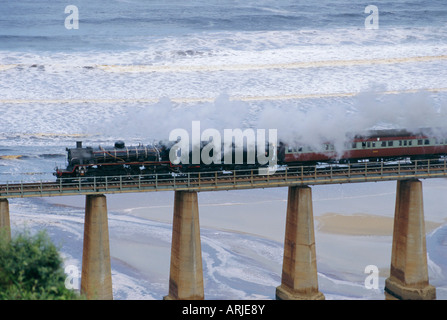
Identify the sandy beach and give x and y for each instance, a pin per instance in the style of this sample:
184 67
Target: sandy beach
362 225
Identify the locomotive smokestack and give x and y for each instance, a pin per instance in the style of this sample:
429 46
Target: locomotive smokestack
78 144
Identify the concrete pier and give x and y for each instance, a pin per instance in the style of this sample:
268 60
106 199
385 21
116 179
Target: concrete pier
409 273
96 281
186 274
5 224
299 273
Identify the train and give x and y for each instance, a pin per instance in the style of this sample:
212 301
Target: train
372 145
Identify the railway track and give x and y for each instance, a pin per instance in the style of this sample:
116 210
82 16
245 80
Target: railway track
238 179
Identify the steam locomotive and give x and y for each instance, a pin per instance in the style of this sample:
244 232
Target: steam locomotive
143 159
377 145
114 161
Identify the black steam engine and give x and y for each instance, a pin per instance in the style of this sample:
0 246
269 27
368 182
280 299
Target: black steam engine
114 161
121 160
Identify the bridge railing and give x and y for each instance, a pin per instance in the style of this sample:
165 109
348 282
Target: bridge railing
235 179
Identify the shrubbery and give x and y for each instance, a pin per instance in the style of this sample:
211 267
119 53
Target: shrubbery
31 268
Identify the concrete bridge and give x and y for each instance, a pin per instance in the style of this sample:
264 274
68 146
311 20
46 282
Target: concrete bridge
408 273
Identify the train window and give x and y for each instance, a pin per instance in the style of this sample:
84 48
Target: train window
390 143
383 144
300 149
354 145
363 144
420 142
368 144
400 143
410 142
427 141
405 142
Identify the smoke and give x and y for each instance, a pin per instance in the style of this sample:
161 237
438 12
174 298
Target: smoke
409 111
156 121
338 122
333 121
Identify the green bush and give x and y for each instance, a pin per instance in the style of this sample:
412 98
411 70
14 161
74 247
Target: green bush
32 269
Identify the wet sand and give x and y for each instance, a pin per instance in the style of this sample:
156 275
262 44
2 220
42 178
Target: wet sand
362 224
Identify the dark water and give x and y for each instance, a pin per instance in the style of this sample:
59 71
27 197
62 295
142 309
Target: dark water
115 25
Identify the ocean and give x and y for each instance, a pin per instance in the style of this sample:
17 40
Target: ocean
134 70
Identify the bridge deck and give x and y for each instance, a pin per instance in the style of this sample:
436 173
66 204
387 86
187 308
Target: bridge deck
238 179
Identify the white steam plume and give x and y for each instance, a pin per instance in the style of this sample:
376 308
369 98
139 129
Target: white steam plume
333 123
371 110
